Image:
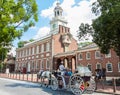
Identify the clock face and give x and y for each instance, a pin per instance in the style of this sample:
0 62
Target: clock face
54 26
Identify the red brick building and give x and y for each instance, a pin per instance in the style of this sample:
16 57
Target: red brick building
40 53
60 47
90 56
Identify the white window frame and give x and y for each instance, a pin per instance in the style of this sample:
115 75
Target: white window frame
33 50
90 66
42 64
47 64
99 65
107 67
37 49
80 56
87 55
27 51
47 46
42 47
97 57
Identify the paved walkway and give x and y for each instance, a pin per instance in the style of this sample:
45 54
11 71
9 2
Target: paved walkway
108 89
33 78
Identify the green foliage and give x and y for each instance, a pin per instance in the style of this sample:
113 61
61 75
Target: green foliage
85 30
31 40
21 43
3 52
107 26
16 16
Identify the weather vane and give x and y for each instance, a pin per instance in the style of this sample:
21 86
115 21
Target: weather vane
58 1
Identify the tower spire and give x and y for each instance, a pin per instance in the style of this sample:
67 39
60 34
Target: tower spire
58 3
58 10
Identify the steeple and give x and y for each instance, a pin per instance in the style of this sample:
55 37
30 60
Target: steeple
58 19
58 10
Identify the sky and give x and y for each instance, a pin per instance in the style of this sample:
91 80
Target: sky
74 11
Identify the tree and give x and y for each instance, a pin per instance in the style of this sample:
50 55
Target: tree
21 43
31 40
106 26
16 16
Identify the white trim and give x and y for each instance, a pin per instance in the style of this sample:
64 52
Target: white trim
89 65
98 64
97 57
47 46
87 56
111 67
79 56
47 63
42 64
42 48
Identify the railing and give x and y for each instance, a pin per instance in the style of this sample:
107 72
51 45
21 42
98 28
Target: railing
19 76
33 78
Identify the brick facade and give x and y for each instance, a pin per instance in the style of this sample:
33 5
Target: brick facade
58 47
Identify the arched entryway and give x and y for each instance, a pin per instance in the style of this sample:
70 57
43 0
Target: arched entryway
58 63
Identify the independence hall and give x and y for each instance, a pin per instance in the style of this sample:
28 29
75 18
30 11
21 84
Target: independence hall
59 46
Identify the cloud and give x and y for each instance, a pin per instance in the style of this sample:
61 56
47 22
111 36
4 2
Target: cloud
42 32
75 13
48 13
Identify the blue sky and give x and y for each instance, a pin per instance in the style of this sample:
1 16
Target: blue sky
75 12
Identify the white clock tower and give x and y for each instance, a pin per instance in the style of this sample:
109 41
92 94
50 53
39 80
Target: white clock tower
57 20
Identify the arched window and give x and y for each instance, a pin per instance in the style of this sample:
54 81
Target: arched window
109 67
47 63
48 46
90 67
97 54
42 48
98 66
58 13
80 56
42 64
88 56
37 49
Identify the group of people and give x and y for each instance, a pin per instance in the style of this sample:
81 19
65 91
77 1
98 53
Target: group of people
65 71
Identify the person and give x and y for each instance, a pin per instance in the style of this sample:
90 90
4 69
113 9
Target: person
68 72
61 67
67 75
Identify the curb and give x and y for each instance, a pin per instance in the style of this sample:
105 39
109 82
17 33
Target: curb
107 92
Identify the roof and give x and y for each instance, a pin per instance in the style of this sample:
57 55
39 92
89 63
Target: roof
92 45
65 54
40 39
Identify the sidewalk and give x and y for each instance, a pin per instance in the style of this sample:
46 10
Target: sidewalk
33 78
108 89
